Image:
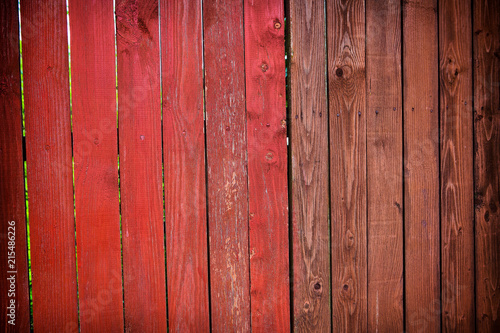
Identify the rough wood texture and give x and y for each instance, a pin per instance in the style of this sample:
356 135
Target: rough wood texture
347 103
309 149
48 156
96 172
487 162
384 130
267 165
227 165
139 117
13 248
184 156
421 166
457 203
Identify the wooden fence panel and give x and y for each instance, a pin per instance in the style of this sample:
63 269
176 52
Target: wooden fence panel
227 165
421 166
309 151
139 117
384 132
49 165
184 156
456 130
13 248
267 165
487 163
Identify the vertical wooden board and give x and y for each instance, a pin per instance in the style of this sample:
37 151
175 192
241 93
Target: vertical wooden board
456 129
13 249
309 158
49 166
384 159
96 169
267 165
227 165
421 166
184 157
487 162
347 103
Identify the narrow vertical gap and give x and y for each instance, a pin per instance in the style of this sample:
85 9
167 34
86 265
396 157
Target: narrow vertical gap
366 177
72 160
474 149
205 117
25 170
403 205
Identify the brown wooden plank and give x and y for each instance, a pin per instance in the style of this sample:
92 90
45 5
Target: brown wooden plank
139 116
184 156
309 156
487 162
14 293
49 165
96 169
384 130
421 166
347 104
267 165
226 161
456 128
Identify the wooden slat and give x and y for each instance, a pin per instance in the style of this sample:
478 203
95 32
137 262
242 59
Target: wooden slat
139 111
309 149
487 163
226 161
457 203
49 165
96 168
384 131
13 249
267 165
421 166
184 156
347 103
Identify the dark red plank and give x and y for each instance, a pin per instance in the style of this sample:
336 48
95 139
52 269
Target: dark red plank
267 165
48 157
14 293
139 111
309 163
457 201
96 167
226 161
421 166
384 131
487 162
184 157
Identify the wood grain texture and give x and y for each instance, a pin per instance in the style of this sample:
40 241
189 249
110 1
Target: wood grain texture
456 130
384 131
421 166
487 162
309 156
139 116
227 165
184 157
49 165
267 165
347 99
96 169
13 247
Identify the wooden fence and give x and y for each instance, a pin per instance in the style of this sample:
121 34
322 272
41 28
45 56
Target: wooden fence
211 165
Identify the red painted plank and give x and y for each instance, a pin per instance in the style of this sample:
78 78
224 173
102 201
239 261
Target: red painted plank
48 155
226 160
184 157
309 163
13 247
96 170
267 165
140 165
